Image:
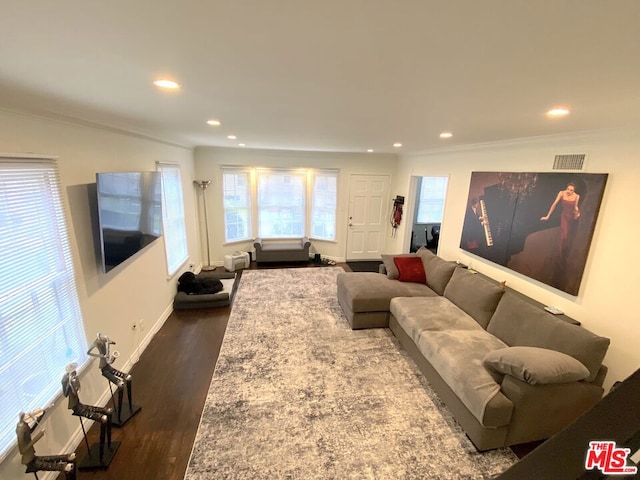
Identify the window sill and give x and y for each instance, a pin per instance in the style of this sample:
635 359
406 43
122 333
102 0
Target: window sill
323 240
235 242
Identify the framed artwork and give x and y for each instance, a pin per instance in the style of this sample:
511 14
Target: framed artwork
536 224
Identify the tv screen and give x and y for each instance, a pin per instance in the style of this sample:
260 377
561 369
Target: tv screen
129 213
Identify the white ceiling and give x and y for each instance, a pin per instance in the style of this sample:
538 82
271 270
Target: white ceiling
330 75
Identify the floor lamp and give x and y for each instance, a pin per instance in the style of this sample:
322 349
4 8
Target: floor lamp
203 184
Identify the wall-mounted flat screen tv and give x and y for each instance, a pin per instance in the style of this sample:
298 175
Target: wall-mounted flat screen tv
129 213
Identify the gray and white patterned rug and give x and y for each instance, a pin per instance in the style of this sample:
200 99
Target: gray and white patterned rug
296 394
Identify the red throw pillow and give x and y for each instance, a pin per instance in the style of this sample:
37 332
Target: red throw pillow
410 269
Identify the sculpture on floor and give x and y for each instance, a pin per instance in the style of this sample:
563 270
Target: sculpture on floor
95 459
27 423
101 348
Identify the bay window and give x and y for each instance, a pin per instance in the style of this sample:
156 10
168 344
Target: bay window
279 203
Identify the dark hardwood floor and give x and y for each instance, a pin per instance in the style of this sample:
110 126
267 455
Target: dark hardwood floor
170 383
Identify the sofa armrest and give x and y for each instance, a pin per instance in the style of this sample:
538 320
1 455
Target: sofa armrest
543 410
602 374
306 244
257 244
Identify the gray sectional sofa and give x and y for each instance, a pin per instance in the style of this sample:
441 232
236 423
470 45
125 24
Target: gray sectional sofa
507 370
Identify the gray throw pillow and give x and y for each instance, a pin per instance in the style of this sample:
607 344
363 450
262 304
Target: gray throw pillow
536 365
390 266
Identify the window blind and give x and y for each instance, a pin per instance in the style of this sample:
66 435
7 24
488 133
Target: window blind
433 191
41 328
236 191
281 204
175 232
323 211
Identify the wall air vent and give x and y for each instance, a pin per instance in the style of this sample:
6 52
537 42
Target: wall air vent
569 162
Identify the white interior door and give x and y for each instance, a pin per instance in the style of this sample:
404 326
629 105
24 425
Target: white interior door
368 207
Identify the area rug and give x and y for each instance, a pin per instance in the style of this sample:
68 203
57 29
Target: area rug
296 394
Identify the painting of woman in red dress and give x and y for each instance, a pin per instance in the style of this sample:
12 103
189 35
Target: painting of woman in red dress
569 216
551 249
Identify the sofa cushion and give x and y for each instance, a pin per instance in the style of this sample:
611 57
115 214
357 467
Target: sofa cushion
437 270
457 356
536 365
372 292
410 269
519 323
473 294
390 265
416 314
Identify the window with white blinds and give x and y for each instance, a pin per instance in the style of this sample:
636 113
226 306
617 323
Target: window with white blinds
41 328
281 204
236 190
433 191
324 198
175 232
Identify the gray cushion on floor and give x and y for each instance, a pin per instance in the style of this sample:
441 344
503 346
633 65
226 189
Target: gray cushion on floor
184 301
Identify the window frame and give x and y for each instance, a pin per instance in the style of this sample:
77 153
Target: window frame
440 200
309 176
293 211
234 209
173 221
315 175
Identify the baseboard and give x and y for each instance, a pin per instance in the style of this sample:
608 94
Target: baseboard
144 343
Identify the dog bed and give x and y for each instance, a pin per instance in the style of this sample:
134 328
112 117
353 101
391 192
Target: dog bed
186 301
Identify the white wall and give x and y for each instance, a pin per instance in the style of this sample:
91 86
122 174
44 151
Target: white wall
138 289
208 161
609 299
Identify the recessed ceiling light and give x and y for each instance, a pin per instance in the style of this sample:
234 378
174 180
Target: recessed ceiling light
370 150
558 112
231 137
446 135
213 122
242 145
397 144
167 84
